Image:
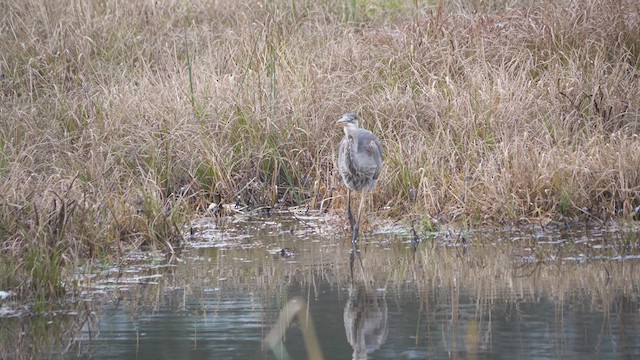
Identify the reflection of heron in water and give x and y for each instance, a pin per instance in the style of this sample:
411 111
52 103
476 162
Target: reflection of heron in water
365 320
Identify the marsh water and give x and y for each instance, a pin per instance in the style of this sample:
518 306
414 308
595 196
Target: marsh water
524 292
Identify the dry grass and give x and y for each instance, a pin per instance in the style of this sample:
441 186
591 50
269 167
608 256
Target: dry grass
119 120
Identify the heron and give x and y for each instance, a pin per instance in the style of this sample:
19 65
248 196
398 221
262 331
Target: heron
359 164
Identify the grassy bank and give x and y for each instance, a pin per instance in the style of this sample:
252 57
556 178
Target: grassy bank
119 121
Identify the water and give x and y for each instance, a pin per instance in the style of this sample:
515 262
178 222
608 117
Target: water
500 295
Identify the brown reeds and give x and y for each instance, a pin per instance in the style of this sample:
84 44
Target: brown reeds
118 121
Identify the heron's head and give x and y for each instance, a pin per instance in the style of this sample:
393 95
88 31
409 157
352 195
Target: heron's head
349 121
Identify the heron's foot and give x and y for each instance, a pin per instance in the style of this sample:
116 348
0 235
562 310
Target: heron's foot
355 248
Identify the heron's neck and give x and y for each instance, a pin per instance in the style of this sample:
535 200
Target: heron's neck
350 130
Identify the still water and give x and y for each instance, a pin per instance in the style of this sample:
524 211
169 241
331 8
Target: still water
516 294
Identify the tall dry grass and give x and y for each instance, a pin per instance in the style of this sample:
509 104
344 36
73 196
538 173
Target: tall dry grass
120 120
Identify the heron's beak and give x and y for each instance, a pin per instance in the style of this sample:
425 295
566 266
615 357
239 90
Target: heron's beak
341 122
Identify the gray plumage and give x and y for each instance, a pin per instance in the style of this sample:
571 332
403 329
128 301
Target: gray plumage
359 163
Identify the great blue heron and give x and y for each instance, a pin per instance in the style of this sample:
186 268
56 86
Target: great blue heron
359 163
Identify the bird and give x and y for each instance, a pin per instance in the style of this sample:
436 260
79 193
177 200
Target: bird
359 164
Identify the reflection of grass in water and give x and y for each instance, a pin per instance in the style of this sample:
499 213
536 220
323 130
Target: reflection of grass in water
434 273
40 336
484 269
491 274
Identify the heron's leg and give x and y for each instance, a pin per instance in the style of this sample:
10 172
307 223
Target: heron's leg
354 239
349 214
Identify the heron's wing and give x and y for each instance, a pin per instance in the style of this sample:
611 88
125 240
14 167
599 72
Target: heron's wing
369 152
370 144
375 148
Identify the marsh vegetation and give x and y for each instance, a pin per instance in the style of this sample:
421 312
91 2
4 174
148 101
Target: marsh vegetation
122 121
